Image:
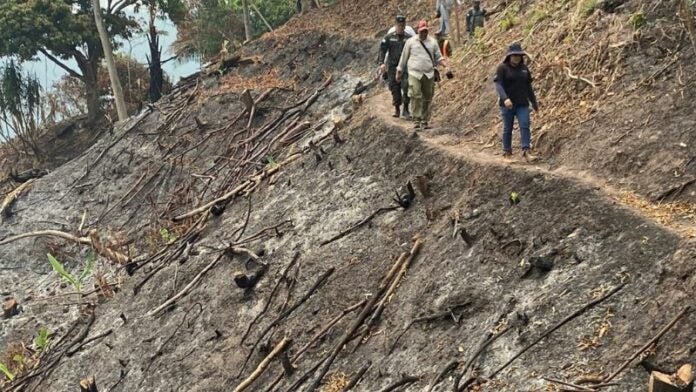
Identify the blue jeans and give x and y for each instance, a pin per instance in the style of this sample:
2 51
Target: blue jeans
522 114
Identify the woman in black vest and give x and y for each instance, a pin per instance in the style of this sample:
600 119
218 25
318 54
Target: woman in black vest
513 83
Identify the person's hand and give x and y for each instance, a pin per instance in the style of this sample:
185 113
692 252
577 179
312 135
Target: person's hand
508 103
383 68
398 76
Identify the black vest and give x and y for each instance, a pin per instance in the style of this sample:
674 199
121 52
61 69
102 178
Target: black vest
392 45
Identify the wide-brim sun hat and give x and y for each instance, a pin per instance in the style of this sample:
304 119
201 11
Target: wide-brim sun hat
515 49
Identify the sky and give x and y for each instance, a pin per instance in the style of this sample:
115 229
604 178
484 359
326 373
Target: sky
49 73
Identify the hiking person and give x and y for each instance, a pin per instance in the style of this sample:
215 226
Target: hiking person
304 5
419 59
445 45
476 17
443 8
389 54
513 83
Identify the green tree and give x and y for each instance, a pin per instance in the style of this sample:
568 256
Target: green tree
67 99
209 23
21 112
63 30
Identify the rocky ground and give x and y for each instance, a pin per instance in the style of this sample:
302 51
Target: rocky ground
185 203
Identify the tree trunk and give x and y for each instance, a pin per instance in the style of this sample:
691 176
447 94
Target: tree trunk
110 63
88 67
247 23
155 60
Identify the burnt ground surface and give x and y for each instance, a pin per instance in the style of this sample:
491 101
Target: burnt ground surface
519 269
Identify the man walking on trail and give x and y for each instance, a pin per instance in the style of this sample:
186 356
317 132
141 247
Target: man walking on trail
443 8
476 18
419 59
513 83
389 54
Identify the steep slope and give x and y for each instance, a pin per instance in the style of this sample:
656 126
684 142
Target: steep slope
614 86
200 192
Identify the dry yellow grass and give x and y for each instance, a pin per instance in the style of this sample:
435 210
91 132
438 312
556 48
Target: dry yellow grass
335 383
679 215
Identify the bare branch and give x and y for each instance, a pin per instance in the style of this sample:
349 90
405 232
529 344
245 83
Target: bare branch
61 64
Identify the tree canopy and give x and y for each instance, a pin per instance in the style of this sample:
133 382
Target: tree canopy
62 30
208 23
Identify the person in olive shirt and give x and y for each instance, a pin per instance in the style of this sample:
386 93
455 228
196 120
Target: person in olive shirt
389 54
513 83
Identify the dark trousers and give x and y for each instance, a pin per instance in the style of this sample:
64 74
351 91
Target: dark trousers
399 90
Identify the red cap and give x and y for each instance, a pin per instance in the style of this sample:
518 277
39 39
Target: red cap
423 25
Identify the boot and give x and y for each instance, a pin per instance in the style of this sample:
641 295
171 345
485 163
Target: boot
397 111
405 113
528 156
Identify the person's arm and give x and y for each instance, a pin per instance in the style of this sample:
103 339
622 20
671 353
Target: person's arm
404 59
498 82
468 22
532 95
439 60
383 49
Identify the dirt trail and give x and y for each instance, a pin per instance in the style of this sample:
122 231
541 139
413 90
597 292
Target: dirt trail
446 139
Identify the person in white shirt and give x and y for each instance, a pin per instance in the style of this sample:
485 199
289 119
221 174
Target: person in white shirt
442 11
420 57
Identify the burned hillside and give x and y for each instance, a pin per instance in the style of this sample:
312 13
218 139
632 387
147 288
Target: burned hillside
270 227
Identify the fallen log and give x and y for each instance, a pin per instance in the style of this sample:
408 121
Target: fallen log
357 377
557 326
348 335
8 202
314 340
186 289
647 345
428 318
681 381
283 277
392 288
405 380
358 225
27 175
317 284
93 240
253 182
279 348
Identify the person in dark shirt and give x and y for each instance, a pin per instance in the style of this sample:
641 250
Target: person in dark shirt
476 17
389 54
513 83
